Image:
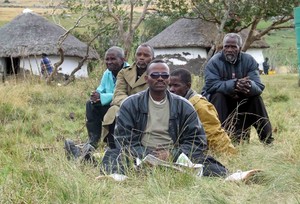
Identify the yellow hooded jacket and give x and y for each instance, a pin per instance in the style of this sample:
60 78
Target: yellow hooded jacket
218 140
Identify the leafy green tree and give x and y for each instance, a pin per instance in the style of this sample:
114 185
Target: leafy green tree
237 15
154 24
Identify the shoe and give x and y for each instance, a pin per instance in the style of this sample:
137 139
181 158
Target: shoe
72 151
87 154
243 176
114 176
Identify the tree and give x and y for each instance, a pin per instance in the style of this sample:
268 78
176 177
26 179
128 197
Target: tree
236 15
120 18
61 54
154 24
242 14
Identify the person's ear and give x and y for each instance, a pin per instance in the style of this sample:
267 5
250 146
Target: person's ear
189 85
146 78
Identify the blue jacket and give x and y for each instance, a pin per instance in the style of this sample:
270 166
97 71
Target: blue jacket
221 76
185 128
107 86
46 63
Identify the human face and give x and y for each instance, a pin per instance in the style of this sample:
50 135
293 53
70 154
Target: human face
231 49
113 62
143 57
161 83
177 86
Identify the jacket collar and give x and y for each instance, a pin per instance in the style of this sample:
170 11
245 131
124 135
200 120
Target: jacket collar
131 75
145 100
190 94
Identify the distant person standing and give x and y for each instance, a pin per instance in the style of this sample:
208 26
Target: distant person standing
266 66
46 66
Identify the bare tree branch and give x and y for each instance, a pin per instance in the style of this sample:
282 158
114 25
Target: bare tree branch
217 40
252 36
142 16
81 62
61 39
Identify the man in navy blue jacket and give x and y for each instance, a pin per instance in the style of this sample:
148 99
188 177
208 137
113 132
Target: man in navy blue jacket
233 85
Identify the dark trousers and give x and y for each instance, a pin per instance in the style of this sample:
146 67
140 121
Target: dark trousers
94 117
266 71
109 139
116 161
238 115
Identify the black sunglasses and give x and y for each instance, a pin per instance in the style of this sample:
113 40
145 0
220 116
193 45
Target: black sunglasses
156 75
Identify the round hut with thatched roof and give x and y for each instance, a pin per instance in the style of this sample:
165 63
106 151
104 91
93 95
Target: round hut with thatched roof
186 43
26 37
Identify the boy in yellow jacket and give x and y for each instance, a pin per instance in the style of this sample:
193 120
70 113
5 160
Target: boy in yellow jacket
218 140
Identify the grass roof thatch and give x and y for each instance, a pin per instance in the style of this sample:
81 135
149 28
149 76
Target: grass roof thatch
32 34
192 33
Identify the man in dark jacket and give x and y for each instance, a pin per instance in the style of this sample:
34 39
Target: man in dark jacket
160 123
233 85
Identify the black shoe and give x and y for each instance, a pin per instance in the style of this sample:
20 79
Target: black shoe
87 154
72 151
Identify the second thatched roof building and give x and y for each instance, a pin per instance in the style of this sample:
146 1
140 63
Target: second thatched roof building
186 43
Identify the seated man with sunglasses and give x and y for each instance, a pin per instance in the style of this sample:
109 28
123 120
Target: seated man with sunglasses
157 122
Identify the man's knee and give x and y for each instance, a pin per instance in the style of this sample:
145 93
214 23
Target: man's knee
111 162
217 96
219 100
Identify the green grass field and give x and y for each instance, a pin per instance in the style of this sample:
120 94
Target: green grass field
35 121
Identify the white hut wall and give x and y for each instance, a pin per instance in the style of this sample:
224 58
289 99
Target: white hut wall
69 64
181 55
2 65
257 54
2 69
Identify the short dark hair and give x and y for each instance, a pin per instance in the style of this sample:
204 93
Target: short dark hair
44 55
184 74
149 46
156 61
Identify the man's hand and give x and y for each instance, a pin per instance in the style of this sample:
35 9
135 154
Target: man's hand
162 154
95 97
243 85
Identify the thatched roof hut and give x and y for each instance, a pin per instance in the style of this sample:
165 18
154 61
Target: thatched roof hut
186 43
192 33
31 34
26 37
